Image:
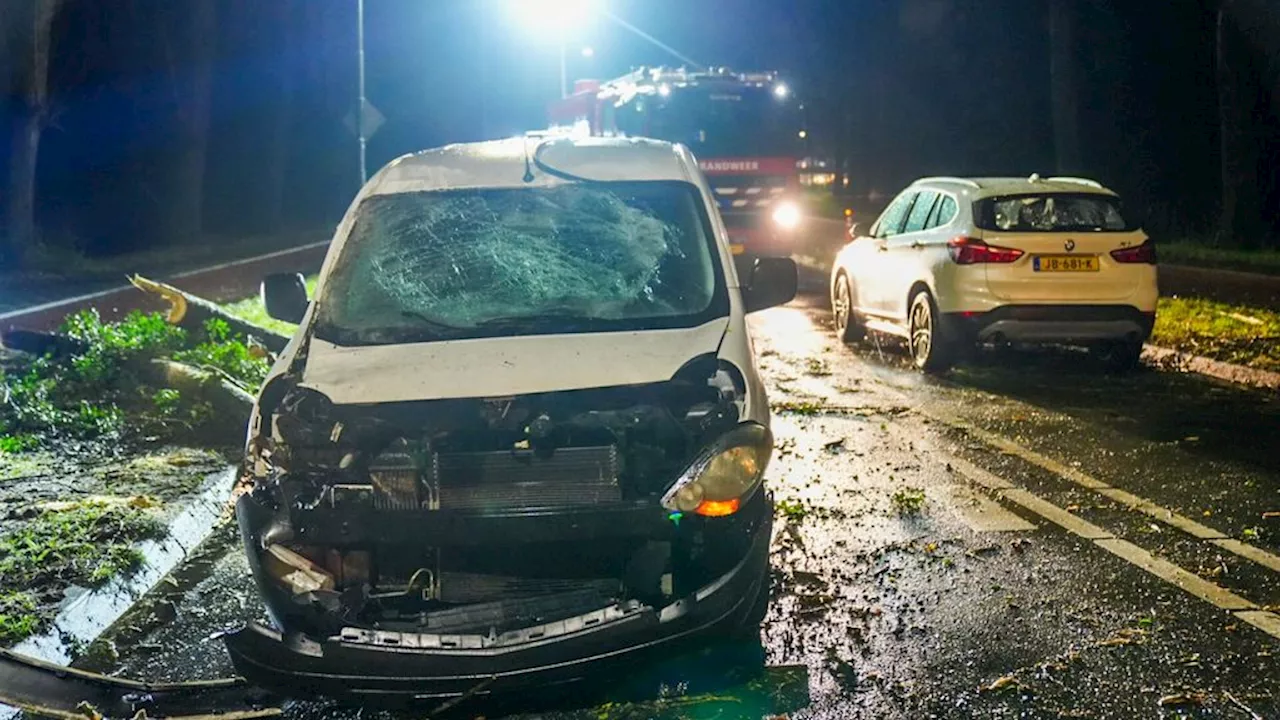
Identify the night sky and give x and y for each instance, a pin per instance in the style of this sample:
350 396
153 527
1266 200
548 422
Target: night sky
895 89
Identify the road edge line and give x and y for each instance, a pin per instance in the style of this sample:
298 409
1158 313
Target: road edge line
1137 556
1147 507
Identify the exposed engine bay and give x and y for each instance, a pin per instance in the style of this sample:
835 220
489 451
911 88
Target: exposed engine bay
488 515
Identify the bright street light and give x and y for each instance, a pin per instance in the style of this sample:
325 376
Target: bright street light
554 17
562 18
781 91
558 19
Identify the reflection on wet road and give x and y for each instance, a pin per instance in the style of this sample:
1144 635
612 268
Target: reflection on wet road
1027 537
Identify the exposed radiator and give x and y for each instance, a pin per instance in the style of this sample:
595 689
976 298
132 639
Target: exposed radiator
457 587
502 480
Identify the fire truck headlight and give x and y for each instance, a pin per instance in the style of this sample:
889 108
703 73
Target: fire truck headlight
786 215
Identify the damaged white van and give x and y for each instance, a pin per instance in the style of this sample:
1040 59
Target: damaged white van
519 435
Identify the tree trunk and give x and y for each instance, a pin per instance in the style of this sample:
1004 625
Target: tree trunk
1064 89
191 41
30 55
1238 88
280 129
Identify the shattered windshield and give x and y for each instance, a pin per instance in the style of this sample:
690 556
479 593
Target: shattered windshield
1052 213
508 261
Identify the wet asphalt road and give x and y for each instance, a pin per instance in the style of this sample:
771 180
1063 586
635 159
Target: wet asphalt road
905 588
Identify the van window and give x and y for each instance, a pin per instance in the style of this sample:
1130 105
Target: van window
512 261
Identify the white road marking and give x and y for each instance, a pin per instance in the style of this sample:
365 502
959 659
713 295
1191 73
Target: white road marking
111 291
1174 575
1147 507
981 513
1179 577
1267 622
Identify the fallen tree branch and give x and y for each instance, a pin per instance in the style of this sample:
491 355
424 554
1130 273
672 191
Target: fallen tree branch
231 404
190 312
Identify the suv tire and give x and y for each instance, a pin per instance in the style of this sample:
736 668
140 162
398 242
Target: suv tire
932 348
848 327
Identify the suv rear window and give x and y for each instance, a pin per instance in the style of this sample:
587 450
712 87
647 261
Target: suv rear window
1056 212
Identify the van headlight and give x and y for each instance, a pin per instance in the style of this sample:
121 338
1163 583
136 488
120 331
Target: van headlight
727 473
786 214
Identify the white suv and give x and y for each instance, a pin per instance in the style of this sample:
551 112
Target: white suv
957 261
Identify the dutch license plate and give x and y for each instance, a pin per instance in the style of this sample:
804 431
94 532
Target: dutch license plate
1065 263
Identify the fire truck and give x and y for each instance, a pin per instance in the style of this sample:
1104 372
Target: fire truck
745 129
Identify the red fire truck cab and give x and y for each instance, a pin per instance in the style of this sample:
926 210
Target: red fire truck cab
744 128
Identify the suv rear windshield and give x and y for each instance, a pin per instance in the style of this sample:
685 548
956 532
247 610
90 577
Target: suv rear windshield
1058 212
523 261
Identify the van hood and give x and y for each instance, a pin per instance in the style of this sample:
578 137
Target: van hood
502 367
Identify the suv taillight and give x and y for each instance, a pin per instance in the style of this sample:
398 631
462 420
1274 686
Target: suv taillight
971 251
1144 253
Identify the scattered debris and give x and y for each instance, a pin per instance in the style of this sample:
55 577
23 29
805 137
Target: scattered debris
1182 699
843 670
1253 715
1001 683
797 407
817 367
1125 636
791 509
908 501
834 446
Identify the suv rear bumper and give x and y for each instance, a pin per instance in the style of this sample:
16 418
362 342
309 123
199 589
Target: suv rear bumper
366 665
1055 323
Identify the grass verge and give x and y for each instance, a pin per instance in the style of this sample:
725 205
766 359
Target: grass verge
84 543
252 310
1183 252
96 387
1237 334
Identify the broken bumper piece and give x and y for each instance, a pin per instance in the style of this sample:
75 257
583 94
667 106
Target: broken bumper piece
367 664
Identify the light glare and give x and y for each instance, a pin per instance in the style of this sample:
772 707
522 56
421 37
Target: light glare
787 215
555 17
781 91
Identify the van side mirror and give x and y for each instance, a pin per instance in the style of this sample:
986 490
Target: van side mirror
285 296
773 282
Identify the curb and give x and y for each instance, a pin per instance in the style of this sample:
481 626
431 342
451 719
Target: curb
1167 358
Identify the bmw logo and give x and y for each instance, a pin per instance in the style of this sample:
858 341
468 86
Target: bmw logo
1069 244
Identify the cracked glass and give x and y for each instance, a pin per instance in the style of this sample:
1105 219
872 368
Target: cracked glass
497 261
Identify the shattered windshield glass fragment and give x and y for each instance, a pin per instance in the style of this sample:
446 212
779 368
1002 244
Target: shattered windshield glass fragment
567 258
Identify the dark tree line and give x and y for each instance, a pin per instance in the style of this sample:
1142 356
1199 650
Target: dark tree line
1176 104
143 123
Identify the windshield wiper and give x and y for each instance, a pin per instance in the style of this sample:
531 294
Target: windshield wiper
415 315
554 318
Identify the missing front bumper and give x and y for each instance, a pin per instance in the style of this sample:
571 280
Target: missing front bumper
366 664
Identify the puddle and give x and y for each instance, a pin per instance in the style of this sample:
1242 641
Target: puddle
86 615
